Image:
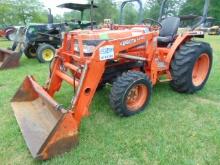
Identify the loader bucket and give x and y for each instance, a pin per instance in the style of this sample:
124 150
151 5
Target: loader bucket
9 59
48 129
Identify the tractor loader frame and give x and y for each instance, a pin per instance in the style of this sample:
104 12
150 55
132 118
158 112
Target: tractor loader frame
47 139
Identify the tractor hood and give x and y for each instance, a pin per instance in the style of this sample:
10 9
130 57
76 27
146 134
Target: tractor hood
105 34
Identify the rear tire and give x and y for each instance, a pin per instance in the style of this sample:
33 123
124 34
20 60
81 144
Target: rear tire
191 66
30 51
10 33
45 53
130 94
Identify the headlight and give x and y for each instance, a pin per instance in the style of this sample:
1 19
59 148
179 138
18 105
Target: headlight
87 49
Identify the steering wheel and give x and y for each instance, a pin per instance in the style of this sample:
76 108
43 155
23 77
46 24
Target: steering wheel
153 24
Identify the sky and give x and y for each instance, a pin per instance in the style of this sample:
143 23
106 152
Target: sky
52 4
55 10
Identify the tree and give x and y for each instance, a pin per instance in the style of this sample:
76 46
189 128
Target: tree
171 8
106 10
5 9
193 7
24 12
196 7
29 11
130 14
74 15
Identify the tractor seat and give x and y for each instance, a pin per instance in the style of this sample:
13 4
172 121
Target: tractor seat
168 31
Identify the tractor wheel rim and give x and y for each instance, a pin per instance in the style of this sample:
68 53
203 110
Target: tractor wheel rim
48 54
33 52
136 97
12 36
200 69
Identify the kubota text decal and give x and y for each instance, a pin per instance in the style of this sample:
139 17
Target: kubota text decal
131 41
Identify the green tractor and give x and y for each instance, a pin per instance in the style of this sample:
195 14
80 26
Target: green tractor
43 40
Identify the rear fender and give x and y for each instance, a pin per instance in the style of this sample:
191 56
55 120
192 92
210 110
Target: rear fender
178 42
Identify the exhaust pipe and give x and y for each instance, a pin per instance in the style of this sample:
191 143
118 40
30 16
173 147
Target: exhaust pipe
50 16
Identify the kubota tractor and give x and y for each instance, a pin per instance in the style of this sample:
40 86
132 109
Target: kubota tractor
133 58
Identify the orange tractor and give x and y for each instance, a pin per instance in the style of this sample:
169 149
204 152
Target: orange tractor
132 58
2 32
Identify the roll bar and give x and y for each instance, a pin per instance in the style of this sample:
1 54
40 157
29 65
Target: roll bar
203 17
162 10
122 20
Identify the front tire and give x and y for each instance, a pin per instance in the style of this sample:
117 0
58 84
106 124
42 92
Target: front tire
30 51
191 67
45 53
131 93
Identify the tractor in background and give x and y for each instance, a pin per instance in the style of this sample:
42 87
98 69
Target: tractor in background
8 32
41 40
214 30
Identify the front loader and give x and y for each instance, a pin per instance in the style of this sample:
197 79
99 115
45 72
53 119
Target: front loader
131 58
9 58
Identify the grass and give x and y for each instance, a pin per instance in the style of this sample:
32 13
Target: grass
174 129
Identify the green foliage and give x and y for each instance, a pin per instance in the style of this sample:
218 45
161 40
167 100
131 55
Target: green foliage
72 15
152 8
106 10
24 12
130 14
214 9
196 7
5 8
